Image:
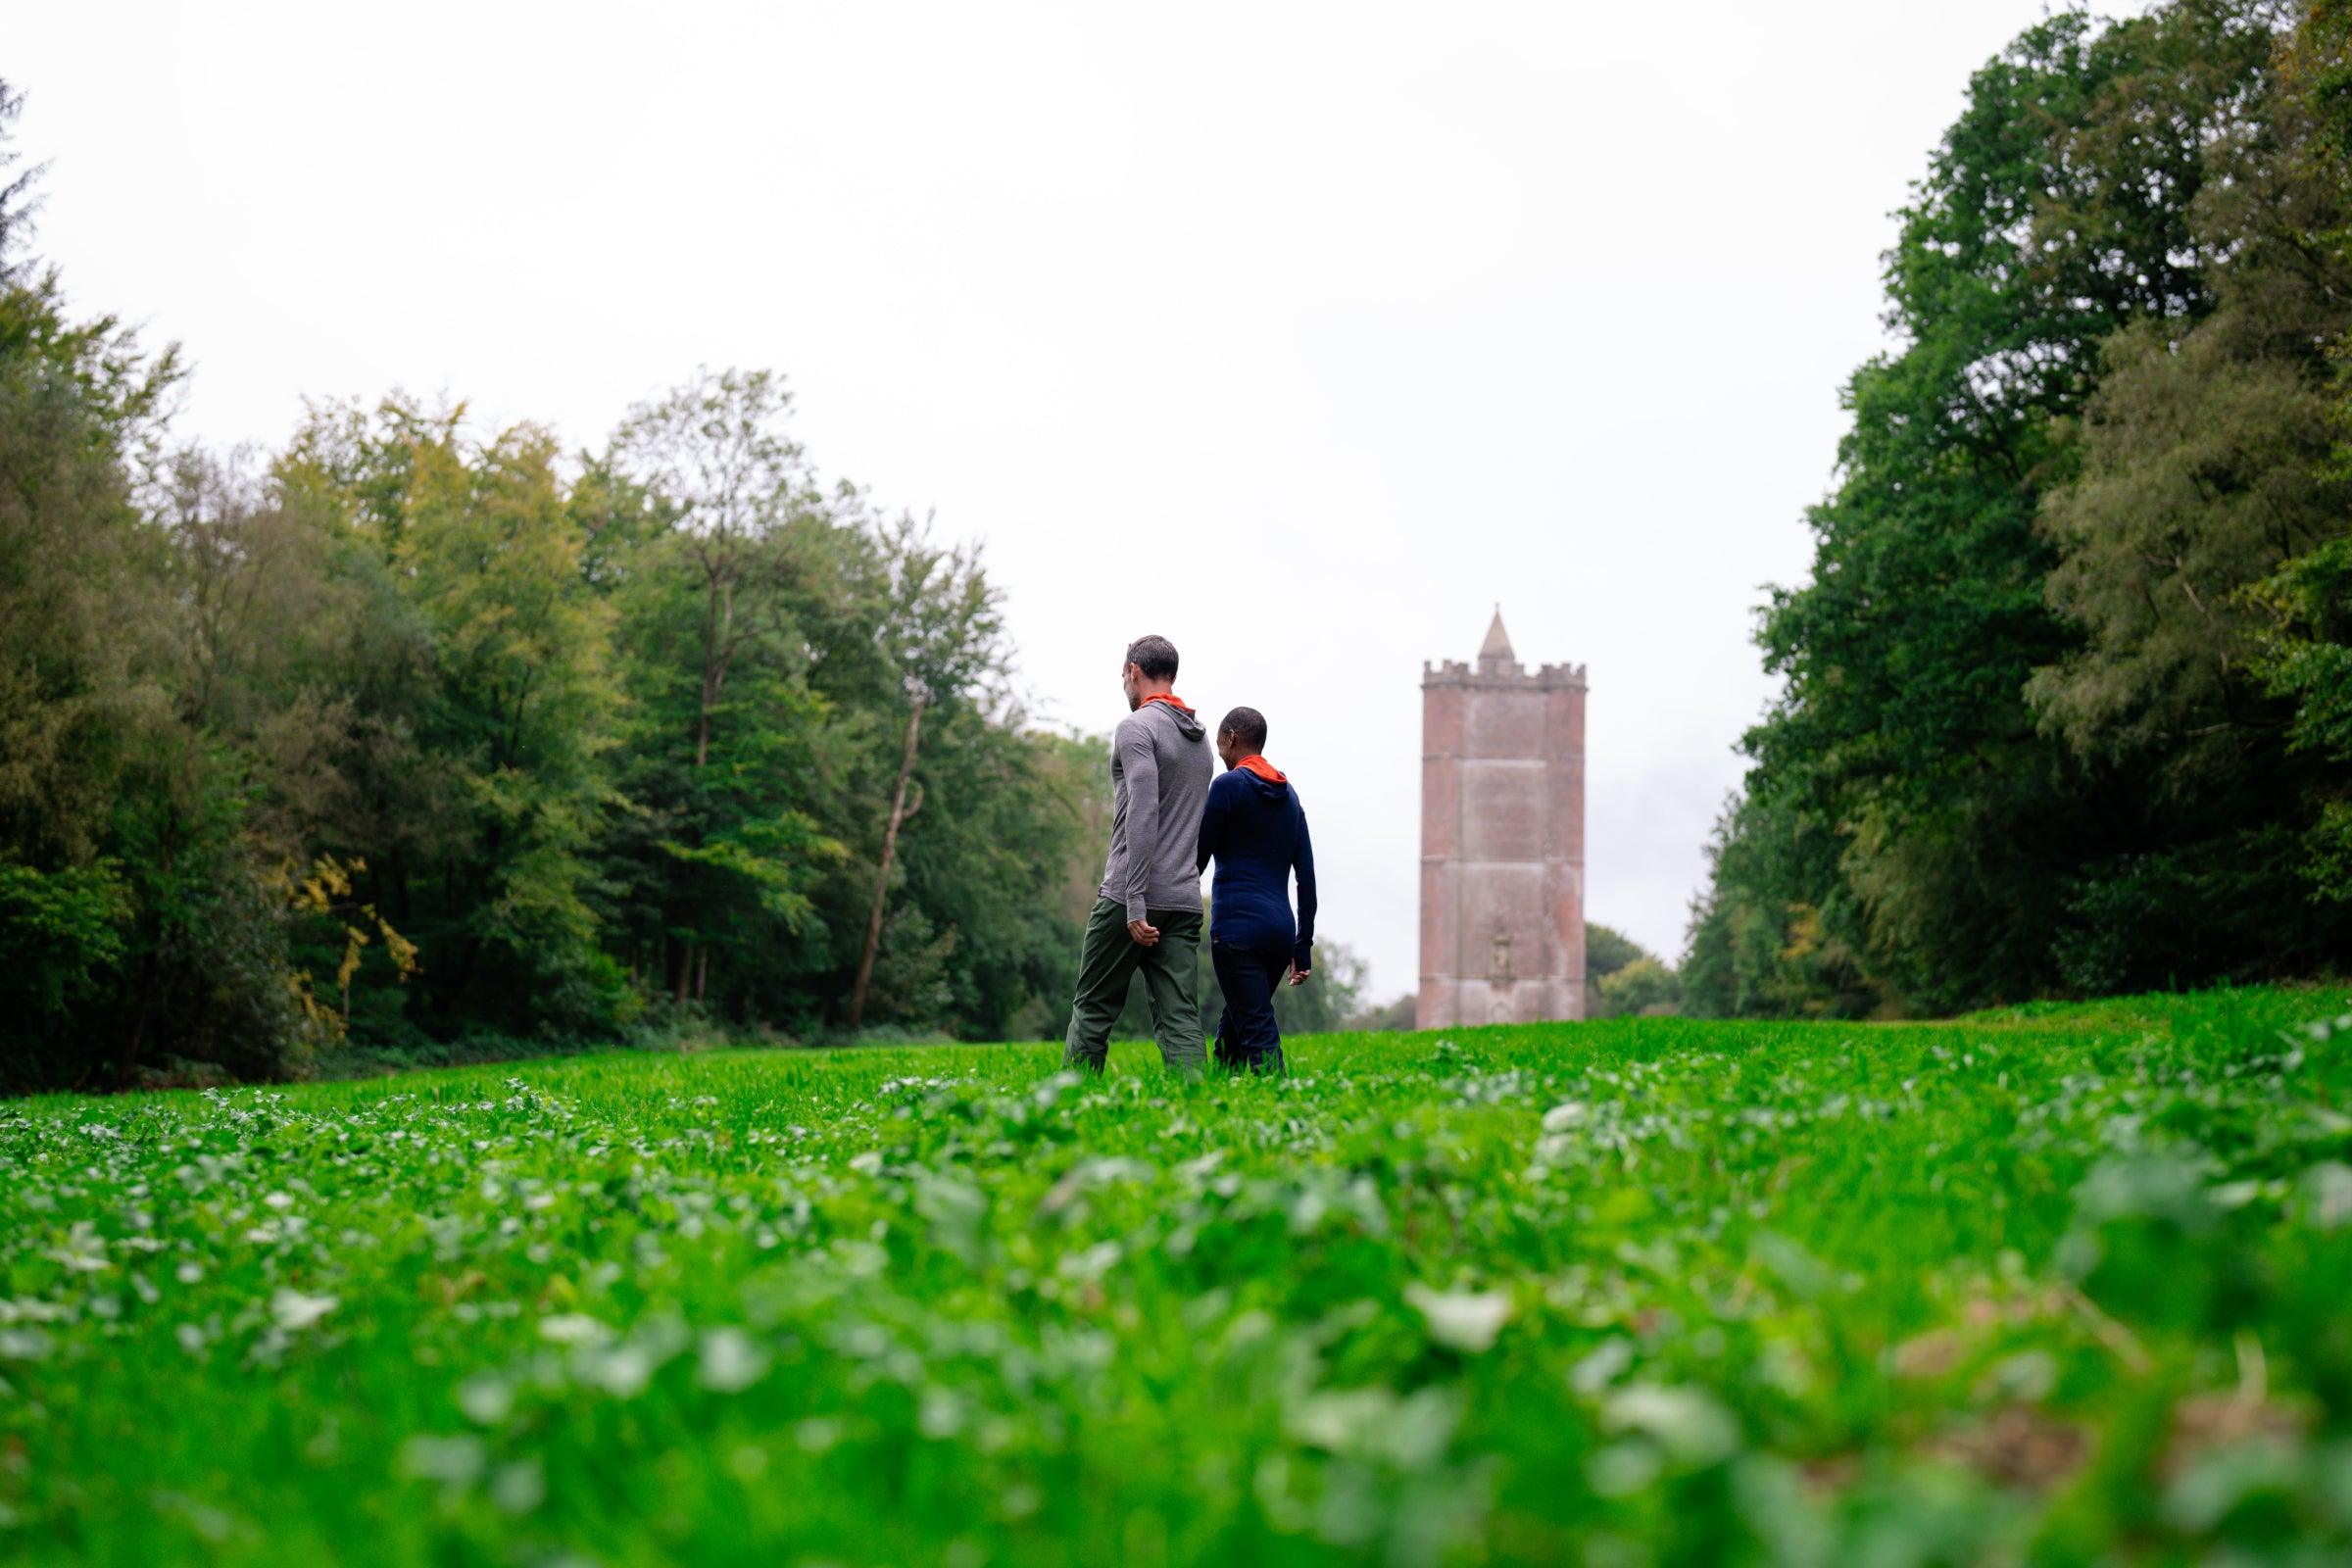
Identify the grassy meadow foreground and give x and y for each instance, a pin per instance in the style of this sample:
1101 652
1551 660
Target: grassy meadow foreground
2056 1286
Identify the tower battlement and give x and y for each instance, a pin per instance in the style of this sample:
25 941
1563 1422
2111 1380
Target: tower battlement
1455 672
1502 839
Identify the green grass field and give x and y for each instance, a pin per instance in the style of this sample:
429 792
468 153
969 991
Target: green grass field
2063 1284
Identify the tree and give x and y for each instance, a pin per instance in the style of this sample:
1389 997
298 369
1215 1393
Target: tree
715 449
1911 835
2304 657
135 919
943 636
2307 660
712 452
1644 987
421 735
17 201
471 664
1607 951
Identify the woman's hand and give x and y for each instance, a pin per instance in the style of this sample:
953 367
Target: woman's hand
1299 976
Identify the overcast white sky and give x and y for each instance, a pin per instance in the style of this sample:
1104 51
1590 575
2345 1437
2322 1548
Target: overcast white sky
1299 333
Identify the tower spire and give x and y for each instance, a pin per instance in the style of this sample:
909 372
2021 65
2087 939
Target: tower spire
1494 656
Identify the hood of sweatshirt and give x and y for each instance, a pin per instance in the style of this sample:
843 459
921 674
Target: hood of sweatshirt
1273 789
1255 763
1188 722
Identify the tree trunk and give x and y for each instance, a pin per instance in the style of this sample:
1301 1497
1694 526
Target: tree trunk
719 621
890 848
127 1065
126 1062
718 630
399 889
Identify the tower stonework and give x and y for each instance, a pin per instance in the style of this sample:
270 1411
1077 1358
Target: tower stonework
1502 839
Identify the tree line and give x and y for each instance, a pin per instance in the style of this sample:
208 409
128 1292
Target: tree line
2067 694
415 731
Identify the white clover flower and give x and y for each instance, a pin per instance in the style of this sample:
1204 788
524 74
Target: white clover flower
573 1328
1688 1424
296 1312
731 1360
1462 1320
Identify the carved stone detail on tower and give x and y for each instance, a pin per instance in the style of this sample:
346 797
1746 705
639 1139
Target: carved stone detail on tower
1502 839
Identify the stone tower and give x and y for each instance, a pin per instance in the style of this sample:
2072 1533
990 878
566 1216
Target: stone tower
1502 839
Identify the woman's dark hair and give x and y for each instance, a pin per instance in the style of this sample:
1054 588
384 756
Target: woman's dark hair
1155 656
1246 725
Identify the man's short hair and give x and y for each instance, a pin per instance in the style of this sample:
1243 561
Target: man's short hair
1155 656
1246 725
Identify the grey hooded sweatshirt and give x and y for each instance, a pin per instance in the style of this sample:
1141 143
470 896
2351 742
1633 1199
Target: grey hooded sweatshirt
1160 769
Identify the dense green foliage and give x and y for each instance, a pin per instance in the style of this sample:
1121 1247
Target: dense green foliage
2055 713
2056 1286
424 732
1623 979
1609 950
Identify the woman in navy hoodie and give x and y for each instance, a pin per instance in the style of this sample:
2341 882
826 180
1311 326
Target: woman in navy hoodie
1255 830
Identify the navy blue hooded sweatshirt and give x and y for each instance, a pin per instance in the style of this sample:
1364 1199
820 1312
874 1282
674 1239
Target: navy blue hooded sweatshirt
1255 830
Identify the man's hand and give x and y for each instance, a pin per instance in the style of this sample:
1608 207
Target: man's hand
1299 976
1146 934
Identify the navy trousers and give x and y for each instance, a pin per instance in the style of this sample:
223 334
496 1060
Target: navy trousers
1246 1033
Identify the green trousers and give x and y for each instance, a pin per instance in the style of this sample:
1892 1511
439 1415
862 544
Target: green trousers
1171 979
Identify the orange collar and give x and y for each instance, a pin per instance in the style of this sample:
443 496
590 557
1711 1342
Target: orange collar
1263 768
1169 698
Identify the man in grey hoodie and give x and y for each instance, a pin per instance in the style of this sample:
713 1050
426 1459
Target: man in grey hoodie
1147 911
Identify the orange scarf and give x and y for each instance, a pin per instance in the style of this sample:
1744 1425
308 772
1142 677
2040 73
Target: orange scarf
1169 698
1263 768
